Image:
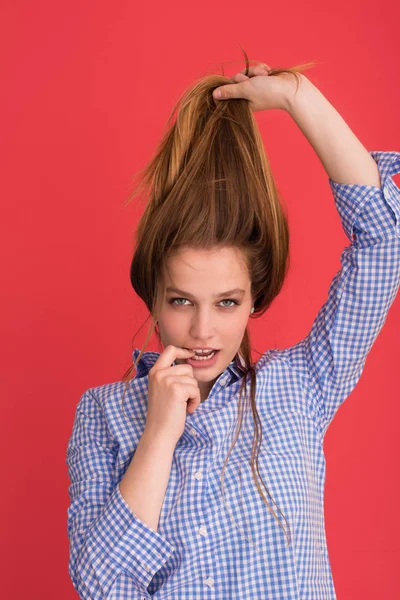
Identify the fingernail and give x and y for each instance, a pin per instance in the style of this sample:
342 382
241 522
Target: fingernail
217 94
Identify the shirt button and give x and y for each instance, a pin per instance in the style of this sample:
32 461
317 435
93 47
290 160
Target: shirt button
223 381
210 582
203 530
198 475
193 431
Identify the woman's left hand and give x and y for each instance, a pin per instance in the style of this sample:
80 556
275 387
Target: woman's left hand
262 90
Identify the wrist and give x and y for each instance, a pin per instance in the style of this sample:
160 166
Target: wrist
157 440
295 91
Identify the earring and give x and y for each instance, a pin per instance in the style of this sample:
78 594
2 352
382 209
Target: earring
252 310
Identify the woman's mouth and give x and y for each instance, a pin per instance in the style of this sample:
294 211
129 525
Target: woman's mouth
199 361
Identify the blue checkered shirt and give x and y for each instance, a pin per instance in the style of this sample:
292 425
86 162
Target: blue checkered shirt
199 551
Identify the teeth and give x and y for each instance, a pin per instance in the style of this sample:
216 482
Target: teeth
198 357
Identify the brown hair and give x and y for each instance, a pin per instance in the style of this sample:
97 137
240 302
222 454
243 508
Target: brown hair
211 167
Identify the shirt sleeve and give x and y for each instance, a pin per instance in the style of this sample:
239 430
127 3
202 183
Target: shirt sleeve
106 537
360 293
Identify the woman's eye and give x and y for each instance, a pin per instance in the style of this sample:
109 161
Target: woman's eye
234 302
174 301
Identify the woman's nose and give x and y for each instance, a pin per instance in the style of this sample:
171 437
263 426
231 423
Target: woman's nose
202 326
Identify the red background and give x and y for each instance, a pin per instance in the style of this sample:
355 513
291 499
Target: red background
86 90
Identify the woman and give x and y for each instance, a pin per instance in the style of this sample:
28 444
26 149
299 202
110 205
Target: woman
147 455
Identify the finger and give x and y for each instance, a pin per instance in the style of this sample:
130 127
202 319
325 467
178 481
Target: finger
194 399
168 356
185 378
239 77
235 90
179 369
260 69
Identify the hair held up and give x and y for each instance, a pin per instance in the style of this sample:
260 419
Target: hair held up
208 185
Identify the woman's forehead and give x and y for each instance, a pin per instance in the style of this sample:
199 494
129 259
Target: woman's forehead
204 259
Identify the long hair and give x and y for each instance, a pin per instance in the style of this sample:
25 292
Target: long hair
209 185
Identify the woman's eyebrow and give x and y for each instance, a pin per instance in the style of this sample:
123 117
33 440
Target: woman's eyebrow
188 295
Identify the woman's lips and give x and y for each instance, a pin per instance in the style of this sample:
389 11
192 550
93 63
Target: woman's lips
203 363
208 349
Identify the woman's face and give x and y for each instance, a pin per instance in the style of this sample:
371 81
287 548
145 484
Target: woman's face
202 313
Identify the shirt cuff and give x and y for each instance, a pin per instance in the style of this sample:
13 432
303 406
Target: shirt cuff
119 538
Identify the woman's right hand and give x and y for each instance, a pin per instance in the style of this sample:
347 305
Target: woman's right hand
173 392
263 88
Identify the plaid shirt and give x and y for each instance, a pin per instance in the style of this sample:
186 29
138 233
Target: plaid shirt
199 551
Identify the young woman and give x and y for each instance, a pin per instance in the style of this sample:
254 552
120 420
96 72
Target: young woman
202 476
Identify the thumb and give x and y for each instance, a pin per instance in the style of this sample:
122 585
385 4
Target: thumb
234 90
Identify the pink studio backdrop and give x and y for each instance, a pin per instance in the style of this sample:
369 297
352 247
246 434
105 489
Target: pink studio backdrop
86 91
